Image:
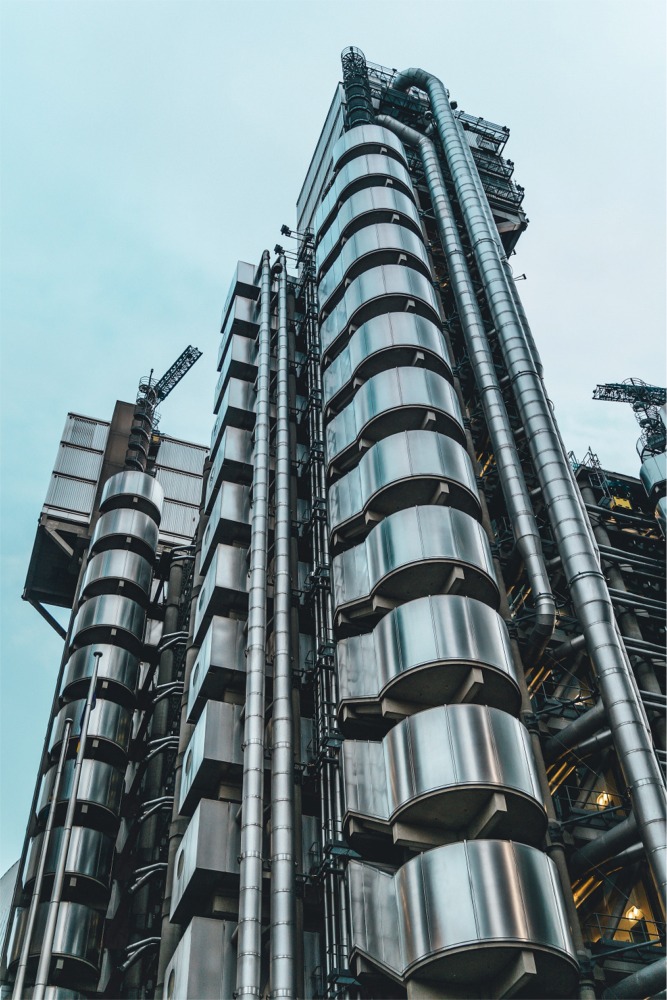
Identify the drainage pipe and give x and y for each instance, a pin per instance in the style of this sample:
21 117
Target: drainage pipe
512 480
585 579
252 796
44 967
37 888
283 861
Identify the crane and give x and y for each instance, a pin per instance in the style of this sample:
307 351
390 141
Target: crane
646 401
155 392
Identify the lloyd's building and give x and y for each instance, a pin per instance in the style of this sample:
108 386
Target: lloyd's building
366 698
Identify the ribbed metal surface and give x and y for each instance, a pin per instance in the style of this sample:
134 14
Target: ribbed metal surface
110 572
118 671
180 486
101 786
366 139
89 856
133 490
78 462
229 520
66 493
125 529
110 723
179 519
364 171
392 401
213 754
220 663
86 433
501 898
403 470
180 455
437 773
421 654
204 862
107 616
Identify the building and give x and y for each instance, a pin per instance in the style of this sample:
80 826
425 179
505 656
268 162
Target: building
385 718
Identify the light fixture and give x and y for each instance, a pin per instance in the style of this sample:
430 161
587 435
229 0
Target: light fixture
603 799
634 913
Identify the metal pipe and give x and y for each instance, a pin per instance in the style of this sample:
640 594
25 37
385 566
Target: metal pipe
581 566
597 851
515 491
39 878
249 961
43 969
283 860
570 736
647 982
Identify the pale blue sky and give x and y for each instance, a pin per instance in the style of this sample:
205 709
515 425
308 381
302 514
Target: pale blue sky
149 145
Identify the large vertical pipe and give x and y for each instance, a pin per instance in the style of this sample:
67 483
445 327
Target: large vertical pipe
249 964
571 530
37 888
44 966
283 977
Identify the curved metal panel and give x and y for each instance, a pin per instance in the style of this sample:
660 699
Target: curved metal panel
109 728
392 340
117 672
383 243
403 470
396 400
653 473
125 529
229 520
413 553
117 570
462 913
220 664
109 616
367 139
364 171
136 490
203 966
457 770
422 653
363 209
231 460
387 288
77 941
213 754
89 857
101 786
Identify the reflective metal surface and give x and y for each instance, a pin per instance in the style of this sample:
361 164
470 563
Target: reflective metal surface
396 400
118 572
135 490
109 616
239 361
363 209
434 777
403 470
366 138
231 460
110 723
392 340
125 529
78 939
204 964
205 863
653 473
501 898
422 654
101 786
117 672
220 664
89 857
237 409
225 586
386 288
229 520
380 244
213 754
413 553
364 171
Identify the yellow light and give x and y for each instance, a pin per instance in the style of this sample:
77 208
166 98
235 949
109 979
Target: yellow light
634 913
603 800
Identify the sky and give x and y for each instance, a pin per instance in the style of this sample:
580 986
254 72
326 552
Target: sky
147 146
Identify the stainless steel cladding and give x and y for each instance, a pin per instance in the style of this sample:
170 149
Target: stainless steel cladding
403 470
502 904
77 942
89 857
395 400
232 461
220 664
237 409
109 729
118 671
213 754
204 862
117 572
392 340
653 474
367 139
135 491
125 529
364 171
225 586
450 772
238 360
229 520
203 966
100 788
428 652
413 553
109 617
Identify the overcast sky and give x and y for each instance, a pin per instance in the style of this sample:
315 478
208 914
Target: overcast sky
149 145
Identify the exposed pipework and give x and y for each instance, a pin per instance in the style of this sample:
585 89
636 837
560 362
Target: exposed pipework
42 977
606 846
283 975
646 982
585 579
252 824
512 480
